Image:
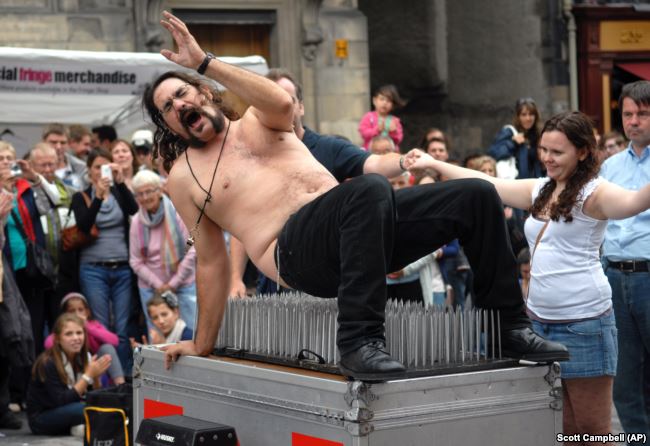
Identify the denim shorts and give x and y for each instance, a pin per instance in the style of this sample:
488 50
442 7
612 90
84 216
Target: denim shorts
592 345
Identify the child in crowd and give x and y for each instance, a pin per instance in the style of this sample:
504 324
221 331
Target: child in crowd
169 327
61 376
381 121
100 341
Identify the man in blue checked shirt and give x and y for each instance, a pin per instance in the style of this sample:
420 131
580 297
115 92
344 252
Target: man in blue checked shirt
626 258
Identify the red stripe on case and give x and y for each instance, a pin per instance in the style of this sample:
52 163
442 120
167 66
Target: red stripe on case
154 409
305 440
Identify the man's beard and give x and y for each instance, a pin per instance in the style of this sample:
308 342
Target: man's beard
218 123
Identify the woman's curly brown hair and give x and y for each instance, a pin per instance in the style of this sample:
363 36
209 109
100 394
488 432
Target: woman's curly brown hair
165 143
578 129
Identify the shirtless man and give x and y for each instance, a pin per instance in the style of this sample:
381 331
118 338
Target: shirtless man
254 178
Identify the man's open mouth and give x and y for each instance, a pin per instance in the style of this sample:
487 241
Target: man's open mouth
190 117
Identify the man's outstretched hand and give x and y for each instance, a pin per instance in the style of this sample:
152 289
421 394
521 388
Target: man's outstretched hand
175 351
190 54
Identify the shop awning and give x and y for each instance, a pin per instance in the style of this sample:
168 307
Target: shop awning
640 69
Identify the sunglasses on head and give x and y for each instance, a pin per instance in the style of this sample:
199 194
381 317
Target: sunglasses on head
522 101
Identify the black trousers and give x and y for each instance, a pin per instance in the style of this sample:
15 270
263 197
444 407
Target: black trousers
345 242
37 305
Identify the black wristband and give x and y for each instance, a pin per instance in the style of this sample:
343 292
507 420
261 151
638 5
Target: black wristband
401 163
204 65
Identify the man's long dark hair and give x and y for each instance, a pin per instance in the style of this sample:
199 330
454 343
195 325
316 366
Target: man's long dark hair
578 129
165 143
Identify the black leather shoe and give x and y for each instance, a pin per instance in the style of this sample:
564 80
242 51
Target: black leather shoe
10 421
371 362
524 343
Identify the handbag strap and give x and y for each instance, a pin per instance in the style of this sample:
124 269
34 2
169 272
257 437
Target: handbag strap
86 200
19 226
539 237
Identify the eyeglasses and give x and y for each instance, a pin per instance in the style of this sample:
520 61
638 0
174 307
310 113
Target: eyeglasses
145 193
45 165
180 93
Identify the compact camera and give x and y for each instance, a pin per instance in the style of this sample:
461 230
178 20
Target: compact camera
15 170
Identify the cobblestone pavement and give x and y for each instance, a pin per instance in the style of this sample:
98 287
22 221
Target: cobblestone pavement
24 437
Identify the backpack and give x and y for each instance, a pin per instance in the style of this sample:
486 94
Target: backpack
108 413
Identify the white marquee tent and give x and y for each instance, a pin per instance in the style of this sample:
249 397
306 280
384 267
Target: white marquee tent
39 86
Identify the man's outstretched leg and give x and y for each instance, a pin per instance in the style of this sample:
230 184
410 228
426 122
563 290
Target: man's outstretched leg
339 245
430 216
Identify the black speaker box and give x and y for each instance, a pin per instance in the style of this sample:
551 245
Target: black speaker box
179 430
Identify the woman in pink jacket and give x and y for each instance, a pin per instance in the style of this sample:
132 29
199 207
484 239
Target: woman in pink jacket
157 248
99 340
381 121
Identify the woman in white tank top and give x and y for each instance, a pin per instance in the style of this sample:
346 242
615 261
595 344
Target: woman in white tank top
569 297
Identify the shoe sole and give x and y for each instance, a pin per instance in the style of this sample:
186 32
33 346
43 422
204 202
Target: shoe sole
371 377
538 357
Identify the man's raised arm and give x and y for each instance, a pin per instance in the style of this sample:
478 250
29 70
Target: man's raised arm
271 104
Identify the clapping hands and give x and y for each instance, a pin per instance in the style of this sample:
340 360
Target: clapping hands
97 366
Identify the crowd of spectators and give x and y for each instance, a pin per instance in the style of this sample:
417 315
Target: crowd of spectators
77 326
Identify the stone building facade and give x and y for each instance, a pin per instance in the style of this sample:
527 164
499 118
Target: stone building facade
461 64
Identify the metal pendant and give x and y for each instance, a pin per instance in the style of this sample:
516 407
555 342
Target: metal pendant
194 231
